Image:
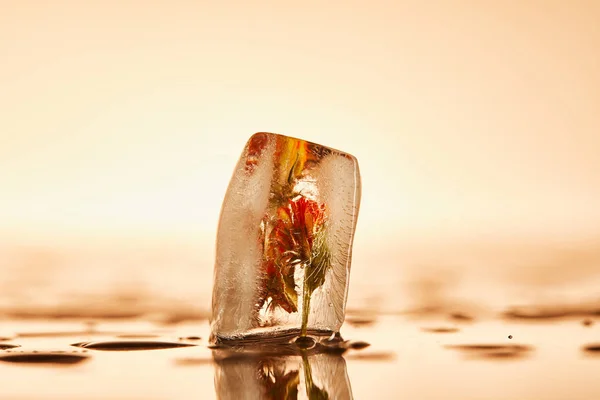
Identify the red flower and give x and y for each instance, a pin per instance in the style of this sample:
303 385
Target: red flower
289 244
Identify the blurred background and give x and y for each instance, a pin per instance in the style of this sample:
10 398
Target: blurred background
476 125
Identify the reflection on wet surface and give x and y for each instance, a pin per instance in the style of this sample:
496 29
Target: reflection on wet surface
267 374
396 357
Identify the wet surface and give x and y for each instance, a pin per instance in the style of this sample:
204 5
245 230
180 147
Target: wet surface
396 357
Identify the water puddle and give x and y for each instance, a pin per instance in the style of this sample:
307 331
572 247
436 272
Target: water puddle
286 346
358 345
190 338
130 345
35 357
441 330
379 356
592 348
460 316
6 346
359 322
493 351
191 361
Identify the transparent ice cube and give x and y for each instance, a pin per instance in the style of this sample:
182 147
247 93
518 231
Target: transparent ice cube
284 243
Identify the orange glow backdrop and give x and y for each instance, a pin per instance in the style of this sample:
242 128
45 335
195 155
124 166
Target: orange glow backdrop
470 119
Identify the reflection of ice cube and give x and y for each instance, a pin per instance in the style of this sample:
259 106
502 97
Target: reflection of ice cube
264 376
285 237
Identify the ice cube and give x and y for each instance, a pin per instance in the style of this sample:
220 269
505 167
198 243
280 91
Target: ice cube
284 243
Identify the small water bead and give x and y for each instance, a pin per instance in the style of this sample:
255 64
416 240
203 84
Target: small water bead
592 348
359 345
305 342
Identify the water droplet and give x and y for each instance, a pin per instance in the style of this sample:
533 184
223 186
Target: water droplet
594 347
359 345
305 342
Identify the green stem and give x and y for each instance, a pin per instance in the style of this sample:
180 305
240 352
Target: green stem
313 392
305 305
307 374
